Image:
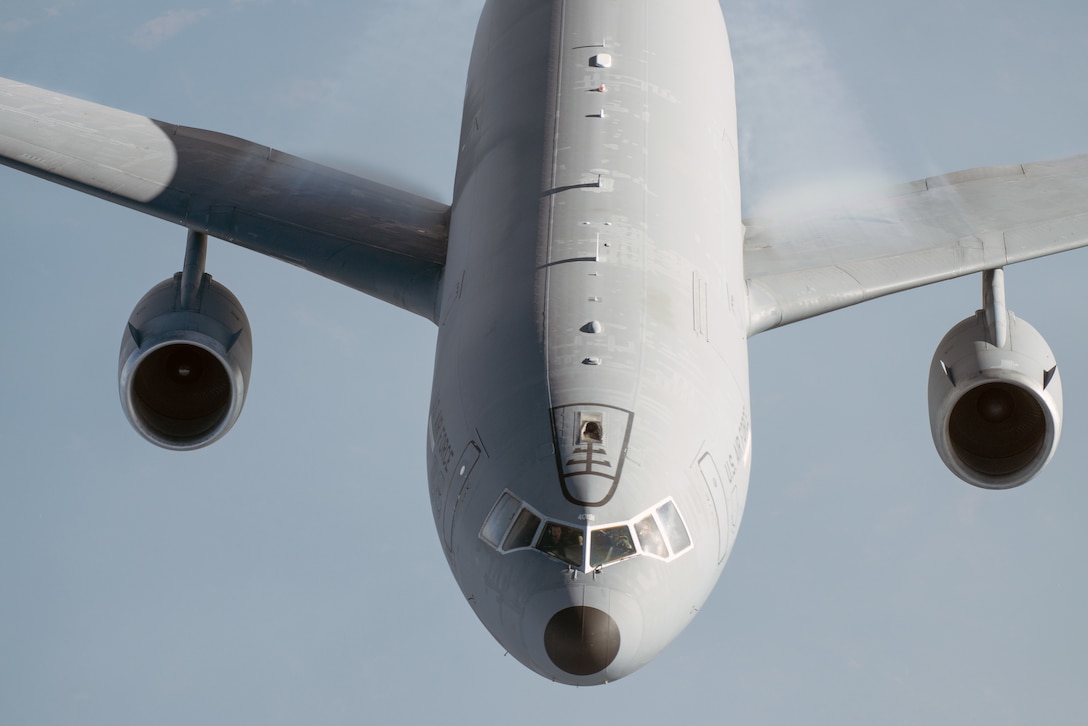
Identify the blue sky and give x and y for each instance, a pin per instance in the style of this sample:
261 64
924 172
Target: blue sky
291 573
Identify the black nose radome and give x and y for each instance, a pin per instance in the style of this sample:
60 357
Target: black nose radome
582 641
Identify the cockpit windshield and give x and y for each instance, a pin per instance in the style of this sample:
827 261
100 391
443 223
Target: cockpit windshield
658 532
563 542
610 544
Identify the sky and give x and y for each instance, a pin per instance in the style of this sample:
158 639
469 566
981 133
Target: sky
291 573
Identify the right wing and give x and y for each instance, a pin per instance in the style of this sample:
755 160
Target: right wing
371 237
923 232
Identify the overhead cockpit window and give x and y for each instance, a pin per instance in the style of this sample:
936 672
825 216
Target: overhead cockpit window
675 530
610 545
523 531
649 537
563 542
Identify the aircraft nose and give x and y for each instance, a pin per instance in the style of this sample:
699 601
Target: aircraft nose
582 640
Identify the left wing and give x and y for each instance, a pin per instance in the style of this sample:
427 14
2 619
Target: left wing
374 238
927 231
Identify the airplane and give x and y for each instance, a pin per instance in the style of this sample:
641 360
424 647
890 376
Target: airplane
675 529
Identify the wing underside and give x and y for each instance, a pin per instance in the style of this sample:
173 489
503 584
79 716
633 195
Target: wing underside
924 232
374 238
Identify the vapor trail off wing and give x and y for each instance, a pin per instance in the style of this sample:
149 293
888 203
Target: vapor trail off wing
374 238
927 231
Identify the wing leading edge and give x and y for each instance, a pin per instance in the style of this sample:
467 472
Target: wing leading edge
923 232
371 237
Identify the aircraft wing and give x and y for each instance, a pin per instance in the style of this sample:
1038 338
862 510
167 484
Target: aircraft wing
374 238
923 232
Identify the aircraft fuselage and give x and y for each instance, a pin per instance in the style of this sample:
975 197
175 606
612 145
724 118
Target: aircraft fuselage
591 375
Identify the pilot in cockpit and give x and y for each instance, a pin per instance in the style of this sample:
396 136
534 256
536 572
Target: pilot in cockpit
566 543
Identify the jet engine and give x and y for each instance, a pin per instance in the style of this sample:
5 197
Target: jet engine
995 400
184 364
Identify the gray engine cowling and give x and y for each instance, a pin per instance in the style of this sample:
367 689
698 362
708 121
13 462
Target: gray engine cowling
995 413
183 372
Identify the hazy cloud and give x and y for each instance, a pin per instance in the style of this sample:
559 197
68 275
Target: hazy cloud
152 33
14 26
303 92
18 25
804 138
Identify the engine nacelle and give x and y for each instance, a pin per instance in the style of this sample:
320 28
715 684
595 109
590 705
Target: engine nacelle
995 413
183 372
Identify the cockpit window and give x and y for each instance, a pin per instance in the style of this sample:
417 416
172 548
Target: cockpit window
563 542
649 537
658 532
500 518
609 545
674 527
523 531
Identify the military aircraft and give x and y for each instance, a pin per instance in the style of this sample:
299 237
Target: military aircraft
594 287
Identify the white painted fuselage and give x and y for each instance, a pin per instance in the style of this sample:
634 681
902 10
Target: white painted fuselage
591 370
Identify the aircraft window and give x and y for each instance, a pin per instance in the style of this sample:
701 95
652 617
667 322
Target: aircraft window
674 527
521 534
563 542
499 520
659 532
610 544
649 537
